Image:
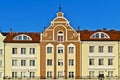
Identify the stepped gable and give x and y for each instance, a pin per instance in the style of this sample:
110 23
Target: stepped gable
10 38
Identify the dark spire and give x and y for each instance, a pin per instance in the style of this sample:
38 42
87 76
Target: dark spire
60 8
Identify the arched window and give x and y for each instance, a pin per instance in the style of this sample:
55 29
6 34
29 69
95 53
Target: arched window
60 36
22 37
100 35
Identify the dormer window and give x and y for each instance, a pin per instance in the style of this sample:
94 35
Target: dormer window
22 37
60 36
101 35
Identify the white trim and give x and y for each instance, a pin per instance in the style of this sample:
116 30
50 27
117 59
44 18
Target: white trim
22 37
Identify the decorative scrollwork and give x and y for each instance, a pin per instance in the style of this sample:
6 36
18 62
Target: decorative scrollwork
75 34
45 34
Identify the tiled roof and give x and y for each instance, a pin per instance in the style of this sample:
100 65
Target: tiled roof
35 37
4 33
86 34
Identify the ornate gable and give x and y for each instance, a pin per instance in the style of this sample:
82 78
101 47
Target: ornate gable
60 23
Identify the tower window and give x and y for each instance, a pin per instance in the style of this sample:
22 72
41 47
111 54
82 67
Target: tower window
60 36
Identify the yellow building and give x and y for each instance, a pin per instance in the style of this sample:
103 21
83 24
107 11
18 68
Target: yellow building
2 37
22 55
99 53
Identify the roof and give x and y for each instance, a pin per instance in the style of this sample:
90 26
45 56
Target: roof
86 34
10 37
4 33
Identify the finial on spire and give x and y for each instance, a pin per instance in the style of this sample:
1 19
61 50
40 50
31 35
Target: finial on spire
60 8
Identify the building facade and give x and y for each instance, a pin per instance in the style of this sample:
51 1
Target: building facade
60 52
2 37
22 55
99 53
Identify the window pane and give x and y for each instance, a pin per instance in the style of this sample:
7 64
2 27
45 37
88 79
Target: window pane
71 74
32 62
60 49
110 49
32 50
14 50
100 49
49 62
71 49
60 62
49 74
32 74
1 51
91 61
49 49
91 49
23 62
71 62
23 50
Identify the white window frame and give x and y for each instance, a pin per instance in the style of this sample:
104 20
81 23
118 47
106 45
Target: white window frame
61 36
91 73
49 74
23 62
14 62
110 73
71 62
14 50
32 74
100 49
22 37
60 74
23 50
23 74
32 50
91 62
100 62
60 62
49 50
14 74
91 49
60 50
110 49
71 74
49 62
32 62
110 62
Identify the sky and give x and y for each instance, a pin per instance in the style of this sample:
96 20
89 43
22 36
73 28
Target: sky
34 15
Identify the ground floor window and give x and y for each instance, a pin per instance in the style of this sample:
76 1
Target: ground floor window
49 74
91 73
14 74
110 73
60 74
32 74
71 74
23 75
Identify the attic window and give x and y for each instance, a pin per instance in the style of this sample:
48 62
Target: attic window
101 35
22 37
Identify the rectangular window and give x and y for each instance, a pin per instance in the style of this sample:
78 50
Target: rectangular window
23 50
110 49
110 61
49 49
14 74
23 74
60 74
49 62
100 61
71 49
71 74
1 51
60 38
32 50
71 62
14 62
60 50
110 73
23 62
91 73
91 49
1 75
14 50
60 62
91 61
32 74
32 62
49 74
100 49
0 63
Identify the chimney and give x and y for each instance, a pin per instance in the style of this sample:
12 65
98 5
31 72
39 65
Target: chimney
78 28
44 28
104 29
10 30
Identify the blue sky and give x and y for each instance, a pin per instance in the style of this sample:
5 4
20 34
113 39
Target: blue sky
33 15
